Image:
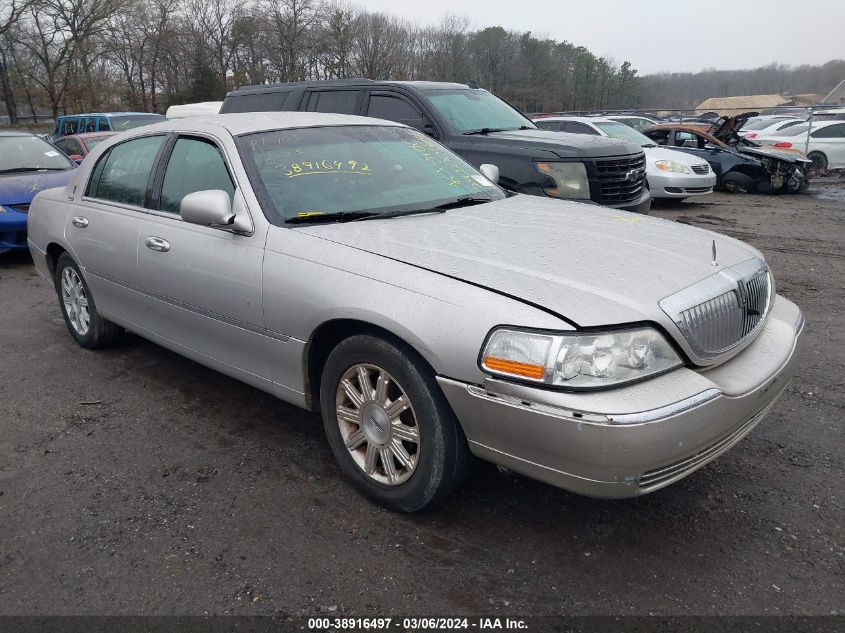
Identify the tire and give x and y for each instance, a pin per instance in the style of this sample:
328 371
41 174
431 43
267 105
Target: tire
84 323
735 182
433 458
819 161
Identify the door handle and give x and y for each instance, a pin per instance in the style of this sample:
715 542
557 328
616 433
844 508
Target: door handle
80 222
157 244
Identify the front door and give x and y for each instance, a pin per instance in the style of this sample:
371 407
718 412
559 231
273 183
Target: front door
204 283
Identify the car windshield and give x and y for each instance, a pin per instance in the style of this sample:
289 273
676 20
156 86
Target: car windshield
624 133
30 153
92 142
352 170
473 110
634 122
120 123
760 124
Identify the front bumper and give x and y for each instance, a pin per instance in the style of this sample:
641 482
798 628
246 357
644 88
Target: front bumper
636 439
641 205
671 185
12 230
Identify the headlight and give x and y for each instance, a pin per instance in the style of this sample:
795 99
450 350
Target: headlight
570 180
670 165
578 360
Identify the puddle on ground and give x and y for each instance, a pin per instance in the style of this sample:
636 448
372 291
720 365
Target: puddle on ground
828 189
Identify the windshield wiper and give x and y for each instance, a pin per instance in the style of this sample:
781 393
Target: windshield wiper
488 130
16 170
338 216
463 201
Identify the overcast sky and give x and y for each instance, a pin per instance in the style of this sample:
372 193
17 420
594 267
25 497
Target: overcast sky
655 35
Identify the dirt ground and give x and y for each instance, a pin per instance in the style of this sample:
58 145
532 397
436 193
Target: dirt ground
133 481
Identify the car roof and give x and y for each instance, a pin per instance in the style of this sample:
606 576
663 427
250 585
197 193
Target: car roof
579 119
16 133
250 122
111 114
85 135
422 85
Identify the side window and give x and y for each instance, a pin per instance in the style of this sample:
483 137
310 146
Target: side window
90 124
69 146
70 126
392 108
122 174
105 124
578 128
195 165
831 131
336 101
261 102
554 126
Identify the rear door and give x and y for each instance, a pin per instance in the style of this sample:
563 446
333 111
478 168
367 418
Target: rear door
830 140
204 283
103 231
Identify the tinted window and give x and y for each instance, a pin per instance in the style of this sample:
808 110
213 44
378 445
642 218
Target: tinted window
194 165
261 102
122 174
392 109
69 126
548 125
578 128
831 131
337 101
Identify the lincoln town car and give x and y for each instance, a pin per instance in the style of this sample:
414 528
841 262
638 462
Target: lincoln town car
357 268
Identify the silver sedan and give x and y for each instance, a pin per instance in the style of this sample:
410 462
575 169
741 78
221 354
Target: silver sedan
356 268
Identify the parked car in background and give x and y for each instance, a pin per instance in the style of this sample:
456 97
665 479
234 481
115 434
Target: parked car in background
825 145
479 127
205 108
636 121
70 124
77 146
28 164
742 169
670 174
761 125
358 268
832 114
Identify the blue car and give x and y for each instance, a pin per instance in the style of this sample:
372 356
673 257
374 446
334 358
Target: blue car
70 124
28 165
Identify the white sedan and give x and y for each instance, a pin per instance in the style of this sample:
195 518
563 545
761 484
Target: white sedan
825 145
670 173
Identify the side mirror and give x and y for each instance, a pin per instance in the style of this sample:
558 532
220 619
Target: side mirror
490 172
207 208
420 124
76 158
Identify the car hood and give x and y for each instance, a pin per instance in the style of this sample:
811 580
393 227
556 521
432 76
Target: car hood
564 144
21 188
760 152
591 265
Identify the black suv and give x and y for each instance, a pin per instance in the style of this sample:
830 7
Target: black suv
481 128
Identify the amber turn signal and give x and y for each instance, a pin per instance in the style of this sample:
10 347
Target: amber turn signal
514 368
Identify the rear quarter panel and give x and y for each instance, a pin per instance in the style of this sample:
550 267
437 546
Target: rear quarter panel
48 214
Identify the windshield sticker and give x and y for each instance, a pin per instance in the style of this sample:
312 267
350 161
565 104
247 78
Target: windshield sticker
308 168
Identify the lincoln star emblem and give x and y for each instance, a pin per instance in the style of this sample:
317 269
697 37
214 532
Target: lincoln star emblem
35 187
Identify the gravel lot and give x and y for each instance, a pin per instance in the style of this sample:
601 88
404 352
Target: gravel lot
135 481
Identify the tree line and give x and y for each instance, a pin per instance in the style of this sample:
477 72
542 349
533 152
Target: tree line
91 55
145 55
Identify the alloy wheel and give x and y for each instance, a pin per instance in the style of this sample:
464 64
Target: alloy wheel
75 301
377 424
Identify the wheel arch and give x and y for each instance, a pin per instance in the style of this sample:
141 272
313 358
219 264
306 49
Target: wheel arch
329 334
53 252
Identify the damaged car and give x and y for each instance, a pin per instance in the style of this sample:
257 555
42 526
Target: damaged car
743 168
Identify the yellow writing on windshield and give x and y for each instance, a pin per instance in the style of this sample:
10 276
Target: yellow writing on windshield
309 167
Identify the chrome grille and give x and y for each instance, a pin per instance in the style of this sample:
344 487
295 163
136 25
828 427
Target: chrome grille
724 310
701 169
